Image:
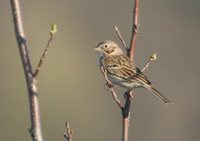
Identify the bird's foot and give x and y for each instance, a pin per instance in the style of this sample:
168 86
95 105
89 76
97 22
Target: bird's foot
109 85
128 94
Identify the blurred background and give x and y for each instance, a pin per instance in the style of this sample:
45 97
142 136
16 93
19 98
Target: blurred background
70 85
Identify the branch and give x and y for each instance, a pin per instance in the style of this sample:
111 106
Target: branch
35 129
130 54
135 25
126 115
68 134
121 38
52 32
152 58
115 98
125 109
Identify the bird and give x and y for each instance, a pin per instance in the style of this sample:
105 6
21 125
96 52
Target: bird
120 70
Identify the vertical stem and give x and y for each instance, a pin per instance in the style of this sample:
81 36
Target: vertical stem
126 115
125 123
35 128
130 54
134 30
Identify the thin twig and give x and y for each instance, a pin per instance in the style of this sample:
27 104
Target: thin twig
121 38
109 86
35 129
151 59
115 98
52 32
134 30
68 134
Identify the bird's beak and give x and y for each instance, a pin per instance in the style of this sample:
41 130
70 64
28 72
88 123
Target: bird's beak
97 48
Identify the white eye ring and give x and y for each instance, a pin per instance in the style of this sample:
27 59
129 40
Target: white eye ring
105 46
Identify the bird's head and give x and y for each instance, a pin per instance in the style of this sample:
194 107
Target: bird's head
108 47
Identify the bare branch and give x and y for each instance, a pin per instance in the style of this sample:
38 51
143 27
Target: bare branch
134 30
126 115
52 32
68 134
125 109
115 98
121 38
130 54
35 129
125 124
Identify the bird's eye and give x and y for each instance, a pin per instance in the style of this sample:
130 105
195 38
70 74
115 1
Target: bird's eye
105 46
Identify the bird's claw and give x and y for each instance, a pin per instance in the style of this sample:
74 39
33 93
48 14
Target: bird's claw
108 85
128 94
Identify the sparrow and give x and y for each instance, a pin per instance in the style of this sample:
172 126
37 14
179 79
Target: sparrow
119 69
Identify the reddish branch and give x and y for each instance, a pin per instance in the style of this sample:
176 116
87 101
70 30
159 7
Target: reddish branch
125 109
130 53
135 25
126 115
35 128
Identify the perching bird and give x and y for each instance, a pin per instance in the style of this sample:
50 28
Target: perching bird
120 70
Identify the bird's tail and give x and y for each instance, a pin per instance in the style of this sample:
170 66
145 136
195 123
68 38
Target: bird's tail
162 97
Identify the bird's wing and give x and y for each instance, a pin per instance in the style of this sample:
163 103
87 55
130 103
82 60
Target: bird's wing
122 66
140 77
119 65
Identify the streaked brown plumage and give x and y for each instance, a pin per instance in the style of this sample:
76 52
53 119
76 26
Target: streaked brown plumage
120 70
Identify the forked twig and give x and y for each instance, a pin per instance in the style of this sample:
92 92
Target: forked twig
68 134
52 32
125 109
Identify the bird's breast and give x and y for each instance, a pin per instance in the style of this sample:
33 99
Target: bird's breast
130 84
